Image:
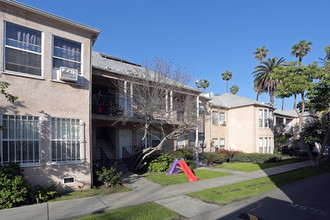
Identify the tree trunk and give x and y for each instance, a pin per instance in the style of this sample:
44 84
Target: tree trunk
272 100
227 85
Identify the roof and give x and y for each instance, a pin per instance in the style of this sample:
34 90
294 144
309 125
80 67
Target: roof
289 113
228 100
52 16
119 66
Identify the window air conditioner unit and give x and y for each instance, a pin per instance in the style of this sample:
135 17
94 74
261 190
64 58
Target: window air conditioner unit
222 122
68 74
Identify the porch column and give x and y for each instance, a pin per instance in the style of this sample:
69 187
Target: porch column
171 104
284 122
125 97
166 103
197 117
131 99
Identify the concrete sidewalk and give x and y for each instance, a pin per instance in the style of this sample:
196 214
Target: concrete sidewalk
143 191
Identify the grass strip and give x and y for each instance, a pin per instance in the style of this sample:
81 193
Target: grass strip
239 191
248 167
149 211
165 180
90 192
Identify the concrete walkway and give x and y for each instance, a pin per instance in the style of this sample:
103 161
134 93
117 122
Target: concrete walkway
143 191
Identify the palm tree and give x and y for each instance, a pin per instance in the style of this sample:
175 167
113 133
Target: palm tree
227 76
261 53
262 80
234 89
202 84
301 49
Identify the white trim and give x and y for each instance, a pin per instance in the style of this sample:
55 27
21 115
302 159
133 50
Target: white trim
77 139
24 50
69 177
27 75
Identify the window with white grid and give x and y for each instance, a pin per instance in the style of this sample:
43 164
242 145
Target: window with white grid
20 140
65 140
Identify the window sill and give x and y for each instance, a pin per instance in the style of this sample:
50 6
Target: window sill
65 163
64 82
30 164
23 75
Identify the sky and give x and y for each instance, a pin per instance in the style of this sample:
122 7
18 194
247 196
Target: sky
204 37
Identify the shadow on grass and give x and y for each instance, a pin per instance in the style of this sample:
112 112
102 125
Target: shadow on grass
298 194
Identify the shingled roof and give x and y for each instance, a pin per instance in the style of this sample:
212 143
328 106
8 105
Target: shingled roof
228 100
123 67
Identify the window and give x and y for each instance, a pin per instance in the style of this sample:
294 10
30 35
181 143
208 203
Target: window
222 143
215 117
215 144
65 140
266 118
201 139
192 140
180 142
263 118
266 145
22 49
20 139
142 143
222 118
202 108
155 139
66 53
261 145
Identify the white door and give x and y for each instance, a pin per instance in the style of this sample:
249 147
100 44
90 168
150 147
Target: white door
125 140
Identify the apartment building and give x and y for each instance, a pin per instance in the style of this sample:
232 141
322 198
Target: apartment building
122 94
238 123
46 59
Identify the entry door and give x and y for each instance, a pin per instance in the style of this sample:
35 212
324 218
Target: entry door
125 140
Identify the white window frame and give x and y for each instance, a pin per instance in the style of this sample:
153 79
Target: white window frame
35 133
12 72
62 140
264 118
261 145
261 118
224 145
215 121
54 75
222 117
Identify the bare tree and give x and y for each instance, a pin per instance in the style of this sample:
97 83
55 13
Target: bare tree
158 101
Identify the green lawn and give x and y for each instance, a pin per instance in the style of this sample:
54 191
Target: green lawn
90 192
239 191
166 180
248 167
148 211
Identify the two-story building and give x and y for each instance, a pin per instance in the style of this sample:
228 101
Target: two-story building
238 123
46 60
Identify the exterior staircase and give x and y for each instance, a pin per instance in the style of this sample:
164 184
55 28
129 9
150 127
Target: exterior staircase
102 146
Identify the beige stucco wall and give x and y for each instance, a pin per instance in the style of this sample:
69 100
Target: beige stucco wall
241 131
212 130
46 98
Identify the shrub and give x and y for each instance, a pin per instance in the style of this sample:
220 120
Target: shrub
13 186
109 175
228 154
185 153
212 158
255 158
45 192
160 163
